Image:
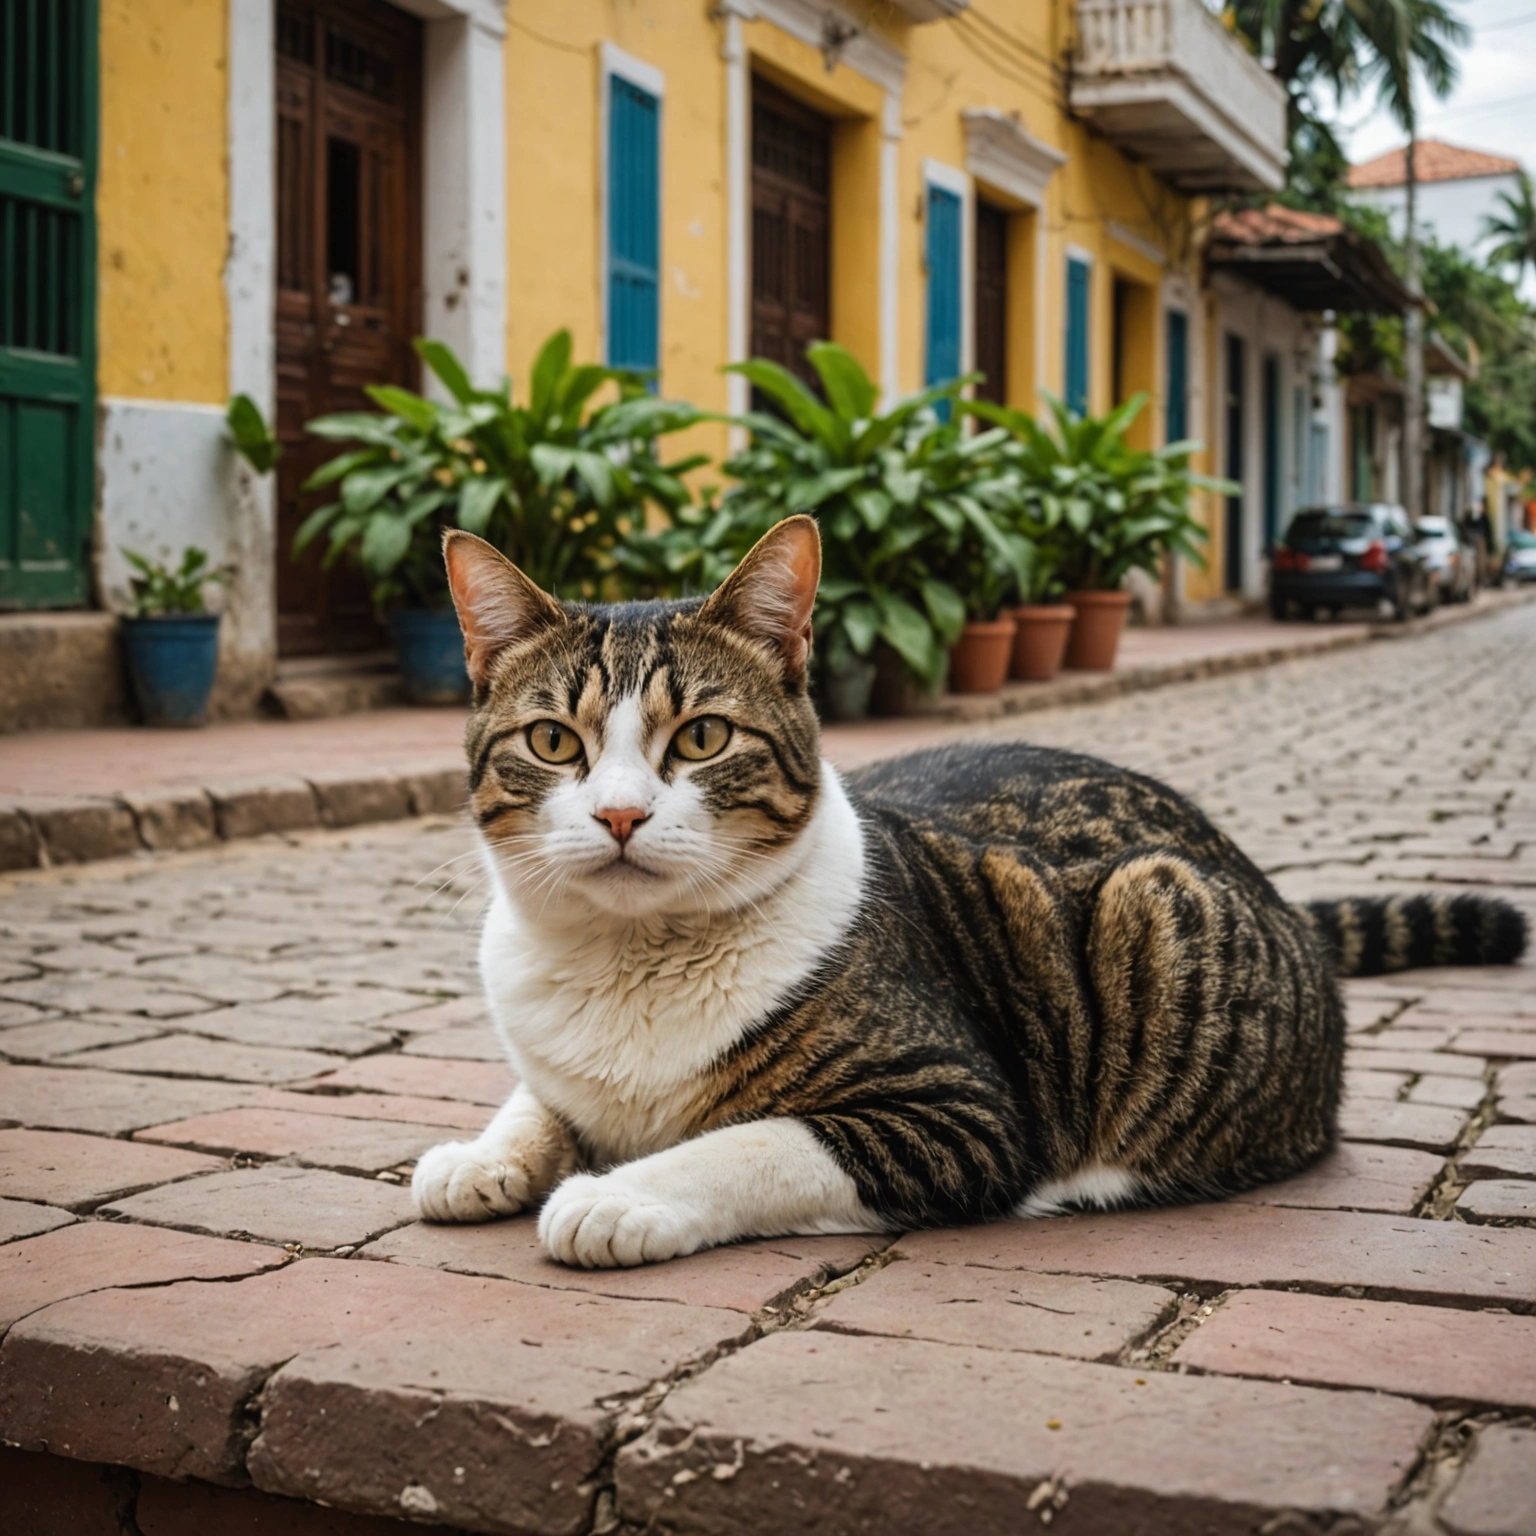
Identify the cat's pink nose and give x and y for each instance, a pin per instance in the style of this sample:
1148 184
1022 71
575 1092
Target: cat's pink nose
622 822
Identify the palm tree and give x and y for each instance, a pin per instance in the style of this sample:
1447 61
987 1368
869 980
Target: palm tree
1514 229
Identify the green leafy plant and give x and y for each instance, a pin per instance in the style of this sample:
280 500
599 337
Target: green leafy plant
1096 507
158 590
555 483
255 441
897 495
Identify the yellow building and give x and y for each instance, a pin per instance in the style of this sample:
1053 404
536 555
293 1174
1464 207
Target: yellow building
287 191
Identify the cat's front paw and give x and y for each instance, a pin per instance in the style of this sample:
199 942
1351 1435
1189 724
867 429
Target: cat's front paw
606 1222
467 1181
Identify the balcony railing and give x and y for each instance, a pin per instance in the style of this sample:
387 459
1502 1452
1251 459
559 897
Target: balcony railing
1166 82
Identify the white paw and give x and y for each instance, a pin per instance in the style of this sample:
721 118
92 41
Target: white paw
600 1222
465 1181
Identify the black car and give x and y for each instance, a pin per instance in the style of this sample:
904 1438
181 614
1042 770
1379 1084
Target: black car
1352 556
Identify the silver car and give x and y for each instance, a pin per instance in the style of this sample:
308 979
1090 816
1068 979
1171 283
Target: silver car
1520 556
1452 560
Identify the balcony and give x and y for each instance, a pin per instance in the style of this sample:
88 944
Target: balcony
1166 83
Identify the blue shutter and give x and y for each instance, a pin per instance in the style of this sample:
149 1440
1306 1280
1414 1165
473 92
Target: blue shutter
634 226
943 360
1077 336
1178 376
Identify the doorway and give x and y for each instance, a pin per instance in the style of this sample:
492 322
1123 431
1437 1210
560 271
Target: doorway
1271 450
990 305
1235 415
791 229
348 258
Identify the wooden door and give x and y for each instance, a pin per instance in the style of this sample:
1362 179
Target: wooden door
1236 424
348 284
47 300
791 229
990 309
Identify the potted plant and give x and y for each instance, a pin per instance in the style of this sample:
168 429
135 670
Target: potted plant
1044 620
891 492
1109 509
555 483
170 638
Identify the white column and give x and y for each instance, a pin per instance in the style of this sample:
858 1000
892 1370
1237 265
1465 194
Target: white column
738 174
464 193
890 249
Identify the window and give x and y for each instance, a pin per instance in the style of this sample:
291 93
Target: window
943 352
1178 375
991 303
1078 274
634 225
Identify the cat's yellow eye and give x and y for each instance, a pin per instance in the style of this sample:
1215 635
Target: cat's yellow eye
553 743
702 739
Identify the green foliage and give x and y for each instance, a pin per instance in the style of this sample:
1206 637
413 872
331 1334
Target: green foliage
159 590
1095 508
1515 229
556 484
254 439
910 510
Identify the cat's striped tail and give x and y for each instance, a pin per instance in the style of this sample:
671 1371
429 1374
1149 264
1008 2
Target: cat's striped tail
1372 935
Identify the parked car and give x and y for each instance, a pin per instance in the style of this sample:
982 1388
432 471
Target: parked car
1519 556
1452 560
1349 556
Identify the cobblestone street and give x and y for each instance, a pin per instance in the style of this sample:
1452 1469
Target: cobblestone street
220 1066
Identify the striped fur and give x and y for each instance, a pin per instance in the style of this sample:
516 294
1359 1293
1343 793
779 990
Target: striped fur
971 981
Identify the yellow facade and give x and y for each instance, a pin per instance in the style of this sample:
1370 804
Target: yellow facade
162 202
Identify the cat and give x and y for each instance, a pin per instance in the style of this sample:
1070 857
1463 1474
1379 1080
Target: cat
747 997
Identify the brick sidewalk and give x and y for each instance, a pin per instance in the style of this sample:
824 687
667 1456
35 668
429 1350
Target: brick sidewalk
219 1067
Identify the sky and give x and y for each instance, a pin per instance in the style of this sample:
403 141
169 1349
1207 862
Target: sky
1494 105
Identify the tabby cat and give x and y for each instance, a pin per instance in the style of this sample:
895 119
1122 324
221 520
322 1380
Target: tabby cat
745 996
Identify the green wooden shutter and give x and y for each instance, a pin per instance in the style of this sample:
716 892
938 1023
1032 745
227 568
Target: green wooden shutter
1078 273
1178 375
47 299
943 349
634 226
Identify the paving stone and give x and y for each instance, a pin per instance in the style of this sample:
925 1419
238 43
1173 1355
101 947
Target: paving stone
70 993
1482 1002
468 1011
1498 1200
1394 1039
355 1005
993 1309
1495 1494
1440 1354
165 1508
439 792
744 1277
1439 1062
1357 1176
349 800
1518 1079
21 1218
1502 1151
1364 1084
1464 1093
413 1373
256 1024
475 1082
78 830
109 1103
1495 1042
1255 1245
63 1037
310 1206
219 978
1521 1110
183 1055
19 844
806 1422
1362 1011
251 807
91 1255
450 1114
453 1045
1401 1125
172 818
14 1014
322 1141
53 1496
80 1172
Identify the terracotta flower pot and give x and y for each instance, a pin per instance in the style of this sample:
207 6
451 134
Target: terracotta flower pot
978 660
1096 629
1041 641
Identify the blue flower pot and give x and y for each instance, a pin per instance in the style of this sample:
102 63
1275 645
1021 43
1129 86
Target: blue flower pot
431 650
171 662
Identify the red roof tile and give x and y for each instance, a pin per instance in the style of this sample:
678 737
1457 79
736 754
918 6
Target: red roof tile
1272 224
1435 161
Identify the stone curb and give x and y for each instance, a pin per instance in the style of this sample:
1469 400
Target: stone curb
40 832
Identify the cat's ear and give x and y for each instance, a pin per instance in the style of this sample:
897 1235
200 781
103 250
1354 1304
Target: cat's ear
772 593
496 603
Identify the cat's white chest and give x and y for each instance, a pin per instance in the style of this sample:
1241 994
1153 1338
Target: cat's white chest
611 1025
